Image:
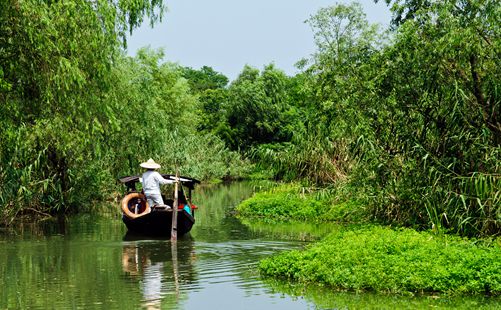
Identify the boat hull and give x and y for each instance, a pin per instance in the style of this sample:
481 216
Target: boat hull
159 223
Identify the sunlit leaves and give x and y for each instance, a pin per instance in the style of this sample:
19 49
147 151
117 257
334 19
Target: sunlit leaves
343 36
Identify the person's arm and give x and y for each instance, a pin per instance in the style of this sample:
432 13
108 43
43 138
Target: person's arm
161 179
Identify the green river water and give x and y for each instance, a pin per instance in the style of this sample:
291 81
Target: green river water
91 262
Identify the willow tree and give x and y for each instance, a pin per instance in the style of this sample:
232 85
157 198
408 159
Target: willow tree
55 62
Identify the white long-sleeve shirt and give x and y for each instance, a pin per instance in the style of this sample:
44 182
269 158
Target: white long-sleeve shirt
151 182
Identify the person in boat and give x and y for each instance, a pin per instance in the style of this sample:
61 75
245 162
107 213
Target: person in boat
151 181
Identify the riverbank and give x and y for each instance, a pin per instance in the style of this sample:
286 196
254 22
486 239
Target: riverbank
361 256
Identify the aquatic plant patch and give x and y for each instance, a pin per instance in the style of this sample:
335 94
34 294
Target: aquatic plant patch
386 260
291 202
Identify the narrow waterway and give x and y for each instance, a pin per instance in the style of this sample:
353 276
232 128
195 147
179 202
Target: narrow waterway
91 262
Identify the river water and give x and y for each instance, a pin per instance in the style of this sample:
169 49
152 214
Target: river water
91 262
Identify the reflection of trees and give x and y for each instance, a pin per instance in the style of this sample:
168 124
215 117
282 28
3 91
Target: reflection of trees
67 261
328 298
160 267
49 226
295 231
214 221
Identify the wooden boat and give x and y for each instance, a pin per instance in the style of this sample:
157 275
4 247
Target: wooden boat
140 217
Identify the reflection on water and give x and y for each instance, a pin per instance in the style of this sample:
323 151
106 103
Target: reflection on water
325 298
91 262
155 266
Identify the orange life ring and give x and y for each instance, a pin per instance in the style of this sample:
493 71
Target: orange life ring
135 205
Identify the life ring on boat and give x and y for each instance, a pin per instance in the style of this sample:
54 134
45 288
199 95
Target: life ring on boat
135 205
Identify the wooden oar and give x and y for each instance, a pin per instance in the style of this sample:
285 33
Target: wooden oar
173 233
175 267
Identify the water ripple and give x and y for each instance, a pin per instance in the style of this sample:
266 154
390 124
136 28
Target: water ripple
232 263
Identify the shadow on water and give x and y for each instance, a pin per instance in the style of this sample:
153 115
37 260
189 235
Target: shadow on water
295 231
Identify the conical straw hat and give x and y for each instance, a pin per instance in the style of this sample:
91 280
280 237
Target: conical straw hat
150 164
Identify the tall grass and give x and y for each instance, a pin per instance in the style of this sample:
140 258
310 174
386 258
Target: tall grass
204 157
311 155
468 205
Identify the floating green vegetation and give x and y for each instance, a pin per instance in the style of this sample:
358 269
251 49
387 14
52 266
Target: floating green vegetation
375 258
292 202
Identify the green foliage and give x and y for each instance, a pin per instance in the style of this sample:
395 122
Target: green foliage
411 120
293 202
204 79
256 111
437 125
404 10
397 261
205 157
320 148
210 86
76 114
56 59
281 204
152 102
